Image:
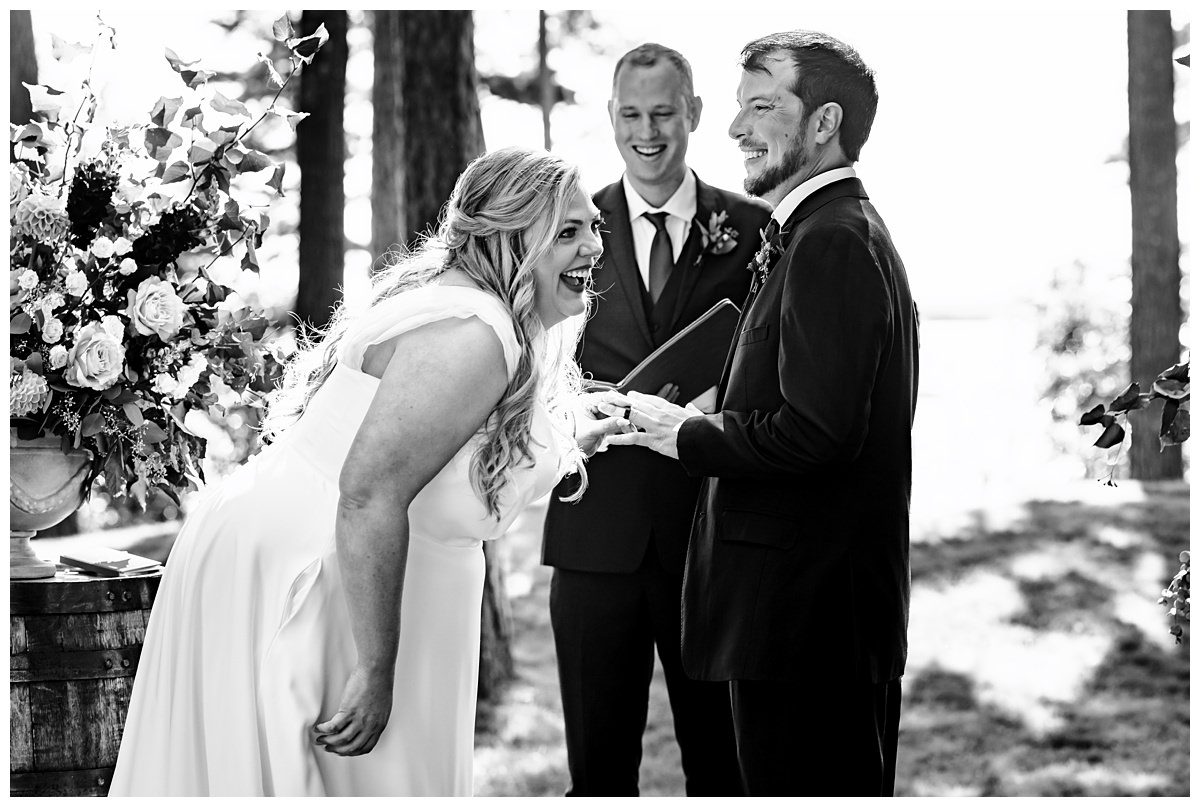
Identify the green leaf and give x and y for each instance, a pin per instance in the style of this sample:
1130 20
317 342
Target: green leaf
250 259
276 180
46 100
225 135
273 76
1129 400
133 414
202 151
177 171
1113 435
292 118
114 472
153 432
92 424
282 29
1172 388
222 104
34 134
193 78
161 142
254 161
306 48
1092 416
21 323
64 51
164 110
1176 425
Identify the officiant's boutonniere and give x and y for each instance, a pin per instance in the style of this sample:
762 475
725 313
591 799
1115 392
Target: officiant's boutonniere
718 238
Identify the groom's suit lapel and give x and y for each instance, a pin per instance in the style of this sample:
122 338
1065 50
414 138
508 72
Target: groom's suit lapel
620 257
849 187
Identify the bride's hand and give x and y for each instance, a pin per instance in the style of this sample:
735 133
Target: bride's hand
361 717
591 434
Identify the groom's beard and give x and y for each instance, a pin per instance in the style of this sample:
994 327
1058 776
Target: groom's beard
794 159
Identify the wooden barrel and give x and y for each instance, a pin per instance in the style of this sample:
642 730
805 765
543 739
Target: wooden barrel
75 645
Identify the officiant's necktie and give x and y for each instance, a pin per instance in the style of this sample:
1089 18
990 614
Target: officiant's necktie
662 255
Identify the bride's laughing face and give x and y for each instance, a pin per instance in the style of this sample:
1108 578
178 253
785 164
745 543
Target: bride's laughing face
564 275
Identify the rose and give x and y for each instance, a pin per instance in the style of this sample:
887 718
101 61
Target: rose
76 283
103 248
121 246
27 279
58 357
112 323
128 266
52 331
96 360
50 302
156 309
42 217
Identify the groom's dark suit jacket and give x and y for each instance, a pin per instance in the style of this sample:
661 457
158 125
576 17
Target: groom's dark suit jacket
798 563
634 492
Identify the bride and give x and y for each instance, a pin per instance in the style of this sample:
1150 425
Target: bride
317 627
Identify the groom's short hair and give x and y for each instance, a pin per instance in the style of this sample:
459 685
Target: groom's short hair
648 55
827 70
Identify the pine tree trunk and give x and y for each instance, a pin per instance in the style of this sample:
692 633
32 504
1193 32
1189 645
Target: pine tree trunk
321 155
22 65
388 171
545 84
441 133
1156 312
441 110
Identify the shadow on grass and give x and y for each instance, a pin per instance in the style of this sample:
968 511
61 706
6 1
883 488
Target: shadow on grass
1040 663
1105 715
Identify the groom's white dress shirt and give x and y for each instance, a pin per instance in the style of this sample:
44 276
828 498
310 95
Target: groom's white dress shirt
807 188
680 209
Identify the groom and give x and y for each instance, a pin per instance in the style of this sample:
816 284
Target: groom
618 553
797 581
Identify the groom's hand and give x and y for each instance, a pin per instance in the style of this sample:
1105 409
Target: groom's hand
656 419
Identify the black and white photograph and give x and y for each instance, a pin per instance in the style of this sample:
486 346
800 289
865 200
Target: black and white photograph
661 401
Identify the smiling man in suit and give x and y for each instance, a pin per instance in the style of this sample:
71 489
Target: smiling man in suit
618 554
797 580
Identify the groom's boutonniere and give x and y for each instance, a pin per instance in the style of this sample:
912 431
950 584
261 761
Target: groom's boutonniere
764 259
718 238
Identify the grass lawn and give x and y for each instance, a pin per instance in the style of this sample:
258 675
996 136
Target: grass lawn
1040 663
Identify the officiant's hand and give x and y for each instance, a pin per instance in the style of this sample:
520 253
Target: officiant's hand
654 418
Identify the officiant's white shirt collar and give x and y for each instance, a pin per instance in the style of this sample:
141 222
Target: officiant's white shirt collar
807 188
681 204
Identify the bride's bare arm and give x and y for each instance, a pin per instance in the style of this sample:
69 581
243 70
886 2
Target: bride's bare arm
440 384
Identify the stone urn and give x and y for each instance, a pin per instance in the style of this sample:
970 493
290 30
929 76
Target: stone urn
46 484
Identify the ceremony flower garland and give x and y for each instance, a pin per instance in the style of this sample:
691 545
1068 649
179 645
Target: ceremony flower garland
117 329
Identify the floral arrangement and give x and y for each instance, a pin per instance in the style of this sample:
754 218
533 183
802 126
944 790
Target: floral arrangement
718 238
118 330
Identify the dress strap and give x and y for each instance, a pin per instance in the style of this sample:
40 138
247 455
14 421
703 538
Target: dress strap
411 309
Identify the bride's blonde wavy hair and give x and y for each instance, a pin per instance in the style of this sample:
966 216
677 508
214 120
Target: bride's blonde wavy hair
504 215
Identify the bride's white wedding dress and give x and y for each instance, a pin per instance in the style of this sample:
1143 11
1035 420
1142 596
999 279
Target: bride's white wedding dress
249 643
